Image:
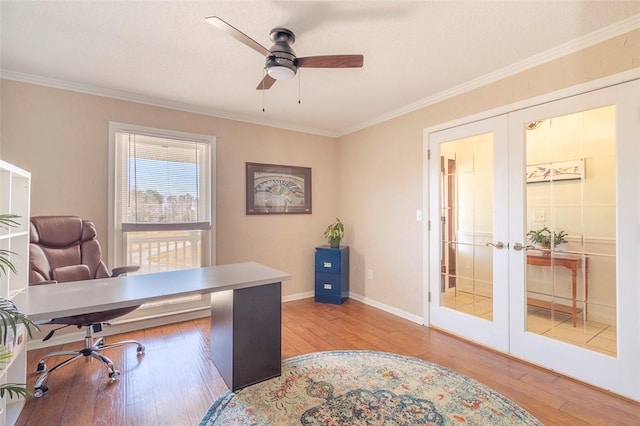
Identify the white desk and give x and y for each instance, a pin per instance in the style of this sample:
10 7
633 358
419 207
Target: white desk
245 315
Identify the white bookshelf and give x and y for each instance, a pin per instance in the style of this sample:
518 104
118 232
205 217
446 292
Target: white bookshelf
15 188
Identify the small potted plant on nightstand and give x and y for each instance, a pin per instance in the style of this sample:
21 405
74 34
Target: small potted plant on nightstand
543 237
334 233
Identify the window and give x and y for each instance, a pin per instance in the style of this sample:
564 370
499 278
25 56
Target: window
161 200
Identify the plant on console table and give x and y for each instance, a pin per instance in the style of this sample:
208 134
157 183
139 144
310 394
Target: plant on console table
334 233
543 237
10 316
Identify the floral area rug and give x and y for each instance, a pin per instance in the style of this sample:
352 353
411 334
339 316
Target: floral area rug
365 388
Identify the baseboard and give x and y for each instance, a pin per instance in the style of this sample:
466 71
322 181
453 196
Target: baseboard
298 296
390 309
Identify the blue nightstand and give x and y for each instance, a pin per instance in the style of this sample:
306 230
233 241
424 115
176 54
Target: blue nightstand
332 274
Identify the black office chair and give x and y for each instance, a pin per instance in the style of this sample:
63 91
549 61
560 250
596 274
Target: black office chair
63 249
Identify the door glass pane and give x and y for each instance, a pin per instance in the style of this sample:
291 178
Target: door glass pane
571 225
466 225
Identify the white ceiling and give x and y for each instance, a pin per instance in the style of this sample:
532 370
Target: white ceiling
164 53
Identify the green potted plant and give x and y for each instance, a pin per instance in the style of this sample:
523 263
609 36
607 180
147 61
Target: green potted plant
543 237
10 316
334 233
7 221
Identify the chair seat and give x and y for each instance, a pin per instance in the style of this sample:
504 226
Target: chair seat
93 317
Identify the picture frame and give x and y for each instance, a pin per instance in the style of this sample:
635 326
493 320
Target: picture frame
557 171
277 189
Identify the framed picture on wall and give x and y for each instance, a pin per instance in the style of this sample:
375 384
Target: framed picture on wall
276 189
548 172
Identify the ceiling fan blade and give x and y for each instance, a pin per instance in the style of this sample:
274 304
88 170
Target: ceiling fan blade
237 34
331 61
266 83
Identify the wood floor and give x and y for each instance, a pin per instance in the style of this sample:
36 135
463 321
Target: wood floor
174 383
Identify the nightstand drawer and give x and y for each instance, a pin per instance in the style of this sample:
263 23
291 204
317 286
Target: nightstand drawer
328 284
328 260
329 289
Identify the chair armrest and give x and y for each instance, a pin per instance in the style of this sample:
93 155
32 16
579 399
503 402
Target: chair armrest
116 272
44 282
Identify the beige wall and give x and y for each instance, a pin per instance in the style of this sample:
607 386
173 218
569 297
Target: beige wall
381 170
61 137
375 185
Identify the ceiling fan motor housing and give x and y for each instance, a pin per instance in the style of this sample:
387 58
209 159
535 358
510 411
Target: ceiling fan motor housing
281 64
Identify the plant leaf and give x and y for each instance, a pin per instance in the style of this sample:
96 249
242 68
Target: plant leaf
10 317
5 354
5 261
8 221
14 389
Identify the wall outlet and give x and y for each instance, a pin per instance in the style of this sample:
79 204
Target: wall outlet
539 216
370 274
419 215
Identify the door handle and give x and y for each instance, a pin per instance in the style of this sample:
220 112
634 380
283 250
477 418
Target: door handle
499 245
518 247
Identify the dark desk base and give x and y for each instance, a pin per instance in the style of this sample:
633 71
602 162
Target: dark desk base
246 334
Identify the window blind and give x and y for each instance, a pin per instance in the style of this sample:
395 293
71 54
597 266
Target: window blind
165 183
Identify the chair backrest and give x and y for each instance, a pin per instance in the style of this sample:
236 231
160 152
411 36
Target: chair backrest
64 248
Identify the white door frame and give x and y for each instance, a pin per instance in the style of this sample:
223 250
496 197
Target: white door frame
630 384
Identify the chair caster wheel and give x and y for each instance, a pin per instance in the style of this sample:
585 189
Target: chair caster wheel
140 350
40 391
41 367
114 375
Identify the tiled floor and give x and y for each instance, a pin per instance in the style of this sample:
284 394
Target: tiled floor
555 325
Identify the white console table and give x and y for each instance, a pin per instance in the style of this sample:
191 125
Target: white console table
245 314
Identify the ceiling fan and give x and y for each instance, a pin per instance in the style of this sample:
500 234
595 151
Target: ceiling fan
282 62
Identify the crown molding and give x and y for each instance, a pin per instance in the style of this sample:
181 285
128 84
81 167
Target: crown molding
153 101
630 24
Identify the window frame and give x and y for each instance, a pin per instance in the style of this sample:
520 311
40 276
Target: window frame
115 250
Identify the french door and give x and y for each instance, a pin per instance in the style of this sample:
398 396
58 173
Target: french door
535 235
575 304
469 255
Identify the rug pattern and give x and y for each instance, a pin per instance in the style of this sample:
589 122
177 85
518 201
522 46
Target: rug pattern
365 388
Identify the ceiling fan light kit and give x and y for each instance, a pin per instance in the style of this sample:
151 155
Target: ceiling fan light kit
281 61
281 64
281 71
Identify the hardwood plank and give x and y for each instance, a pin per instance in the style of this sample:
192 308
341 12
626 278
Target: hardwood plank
175 382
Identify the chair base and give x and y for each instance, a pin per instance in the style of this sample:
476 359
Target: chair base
92 350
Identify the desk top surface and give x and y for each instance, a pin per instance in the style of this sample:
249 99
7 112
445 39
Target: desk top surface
44 302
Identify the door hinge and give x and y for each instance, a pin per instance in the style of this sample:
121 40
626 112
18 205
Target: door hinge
428 225
429 297
428 154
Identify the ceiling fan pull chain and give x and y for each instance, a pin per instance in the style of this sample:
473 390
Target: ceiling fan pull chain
264 73
299 78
